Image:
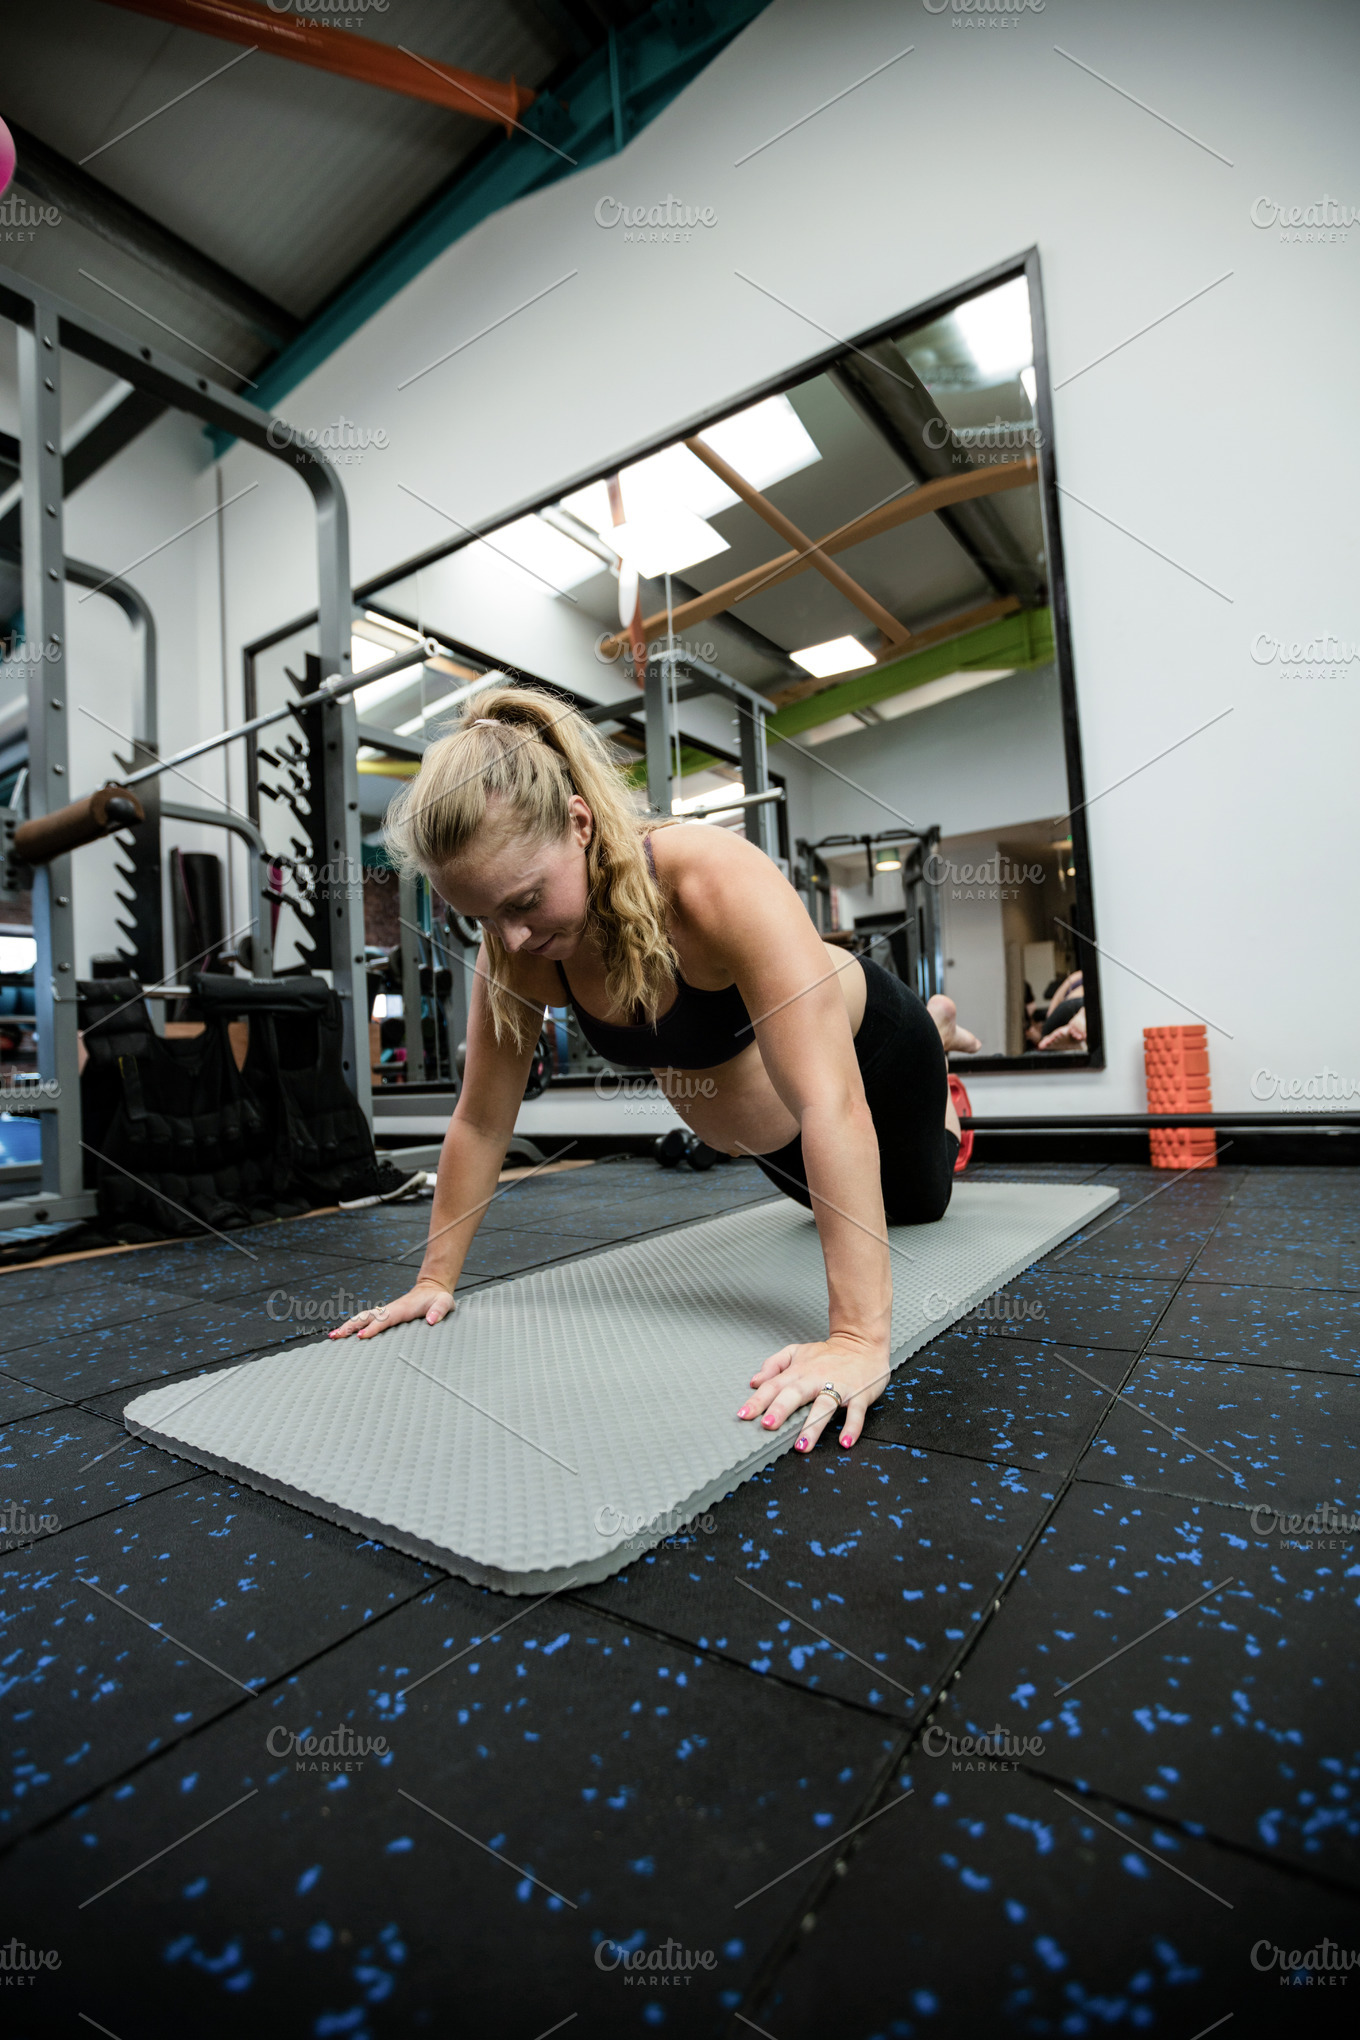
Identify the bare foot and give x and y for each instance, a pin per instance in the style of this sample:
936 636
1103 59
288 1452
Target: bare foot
957 1040
1071 1036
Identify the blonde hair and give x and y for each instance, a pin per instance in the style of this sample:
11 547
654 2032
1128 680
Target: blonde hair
517 762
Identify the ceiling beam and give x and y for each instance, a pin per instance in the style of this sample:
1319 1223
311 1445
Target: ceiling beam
921 502
366 61
895 632
77 196
885 390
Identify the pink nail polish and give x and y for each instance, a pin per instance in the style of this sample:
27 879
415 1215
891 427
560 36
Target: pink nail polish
745 1410
802 1444
846 1439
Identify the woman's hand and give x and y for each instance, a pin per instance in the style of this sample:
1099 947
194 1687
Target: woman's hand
796 1374
428 1299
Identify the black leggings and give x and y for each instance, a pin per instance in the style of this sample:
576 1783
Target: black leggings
906 1082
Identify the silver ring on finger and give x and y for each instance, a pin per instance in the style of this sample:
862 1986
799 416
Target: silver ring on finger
830 1388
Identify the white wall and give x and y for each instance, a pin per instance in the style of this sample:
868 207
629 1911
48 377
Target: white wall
1216 452
983 760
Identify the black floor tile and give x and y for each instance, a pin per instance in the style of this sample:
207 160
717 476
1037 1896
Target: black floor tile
894 1554
1272 1327
207 1271
1244 1434
1239 1716
1078 1309
21 1399
1259 1260
996 1399
648 1790
147 1349
988 1905
249 1583
73 1464
1159 1248
82 1306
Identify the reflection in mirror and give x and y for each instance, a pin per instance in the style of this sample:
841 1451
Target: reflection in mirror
874 548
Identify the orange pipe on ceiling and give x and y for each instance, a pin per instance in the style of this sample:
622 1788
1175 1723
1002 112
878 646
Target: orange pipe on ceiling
344 55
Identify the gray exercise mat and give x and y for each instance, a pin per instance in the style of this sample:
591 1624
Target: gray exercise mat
558 1424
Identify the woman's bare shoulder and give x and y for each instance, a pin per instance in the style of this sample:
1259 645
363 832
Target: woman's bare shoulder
707 871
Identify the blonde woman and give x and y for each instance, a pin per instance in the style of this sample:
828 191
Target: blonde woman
684 950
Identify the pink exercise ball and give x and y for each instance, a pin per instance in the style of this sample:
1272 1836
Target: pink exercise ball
6 158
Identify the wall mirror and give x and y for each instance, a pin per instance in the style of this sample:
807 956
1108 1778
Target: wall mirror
872 543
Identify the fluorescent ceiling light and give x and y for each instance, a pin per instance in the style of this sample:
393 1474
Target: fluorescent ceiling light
388 623
661 541
545 551
446 701
764 443
839 726
936 691
996 330
837 655
710 801
364 652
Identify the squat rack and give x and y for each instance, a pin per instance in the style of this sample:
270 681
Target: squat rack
45 325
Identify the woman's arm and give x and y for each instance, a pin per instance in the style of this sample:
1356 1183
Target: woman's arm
747 914
470 1162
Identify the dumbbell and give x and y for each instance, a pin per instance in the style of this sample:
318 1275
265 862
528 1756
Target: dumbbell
678 1146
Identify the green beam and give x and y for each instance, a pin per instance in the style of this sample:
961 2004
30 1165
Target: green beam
1018 641
1015 641
651 61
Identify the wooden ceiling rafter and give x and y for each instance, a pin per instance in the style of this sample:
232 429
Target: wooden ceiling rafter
919 502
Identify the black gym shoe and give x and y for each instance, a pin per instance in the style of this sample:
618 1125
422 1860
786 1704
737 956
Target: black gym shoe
382 1184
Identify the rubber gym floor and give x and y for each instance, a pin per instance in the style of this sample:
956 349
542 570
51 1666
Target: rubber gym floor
731 1790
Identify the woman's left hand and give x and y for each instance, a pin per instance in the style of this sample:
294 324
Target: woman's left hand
796 1375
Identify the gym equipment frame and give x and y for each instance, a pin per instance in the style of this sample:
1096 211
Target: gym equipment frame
45 325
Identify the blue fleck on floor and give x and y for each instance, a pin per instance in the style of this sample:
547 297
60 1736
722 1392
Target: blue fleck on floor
1033 1714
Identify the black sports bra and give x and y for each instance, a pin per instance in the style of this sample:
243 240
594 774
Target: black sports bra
701 1030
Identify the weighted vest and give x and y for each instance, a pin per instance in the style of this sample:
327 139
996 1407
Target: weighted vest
175 1139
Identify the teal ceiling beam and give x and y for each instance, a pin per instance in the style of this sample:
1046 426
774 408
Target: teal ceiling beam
610 98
